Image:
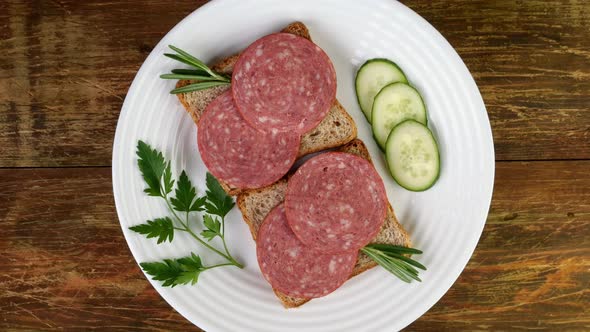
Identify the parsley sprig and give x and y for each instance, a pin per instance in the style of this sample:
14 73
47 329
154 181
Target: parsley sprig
216 204
204 76
178 271
394 259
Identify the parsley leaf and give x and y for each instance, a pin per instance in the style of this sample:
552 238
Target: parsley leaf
198 204
175 272
152 165
185 196
162 228
192 268
218 202
167 270
168 182
213 227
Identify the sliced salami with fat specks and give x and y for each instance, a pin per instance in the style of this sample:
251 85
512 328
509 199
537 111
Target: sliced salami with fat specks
336 202
238 154
285 82
295 269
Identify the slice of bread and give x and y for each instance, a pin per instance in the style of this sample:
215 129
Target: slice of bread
256 204
336 129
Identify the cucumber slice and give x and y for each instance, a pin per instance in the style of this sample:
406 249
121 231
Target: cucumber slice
412 156
371 77
394 104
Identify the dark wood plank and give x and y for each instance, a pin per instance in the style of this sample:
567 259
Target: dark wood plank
531 61
66 265
531 269
64 261
66 66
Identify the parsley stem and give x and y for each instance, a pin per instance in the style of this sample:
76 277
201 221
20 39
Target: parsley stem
217 265
188 230
196 237
228 256
223 234
172 210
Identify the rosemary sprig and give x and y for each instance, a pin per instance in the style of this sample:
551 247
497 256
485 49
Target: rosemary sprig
392 259
204 76
197 87
189 72
187 77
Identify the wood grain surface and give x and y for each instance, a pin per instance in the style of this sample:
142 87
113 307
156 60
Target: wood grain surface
65 67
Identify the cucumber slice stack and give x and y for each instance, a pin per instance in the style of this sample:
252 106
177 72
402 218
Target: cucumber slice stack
394 104
398 117
371 77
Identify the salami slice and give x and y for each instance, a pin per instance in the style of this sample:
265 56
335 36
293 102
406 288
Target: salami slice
295 269
336 202
238 154
285 82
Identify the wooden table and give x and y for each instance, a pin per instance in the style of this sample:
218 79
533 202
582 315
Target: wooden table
65 67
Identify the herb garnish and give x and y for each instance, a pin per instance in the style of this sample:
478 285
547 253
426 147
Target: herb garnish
216 203
205 77
392 258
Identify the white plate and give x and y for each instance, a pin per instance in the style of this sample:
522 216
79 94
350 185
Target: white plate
445 222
